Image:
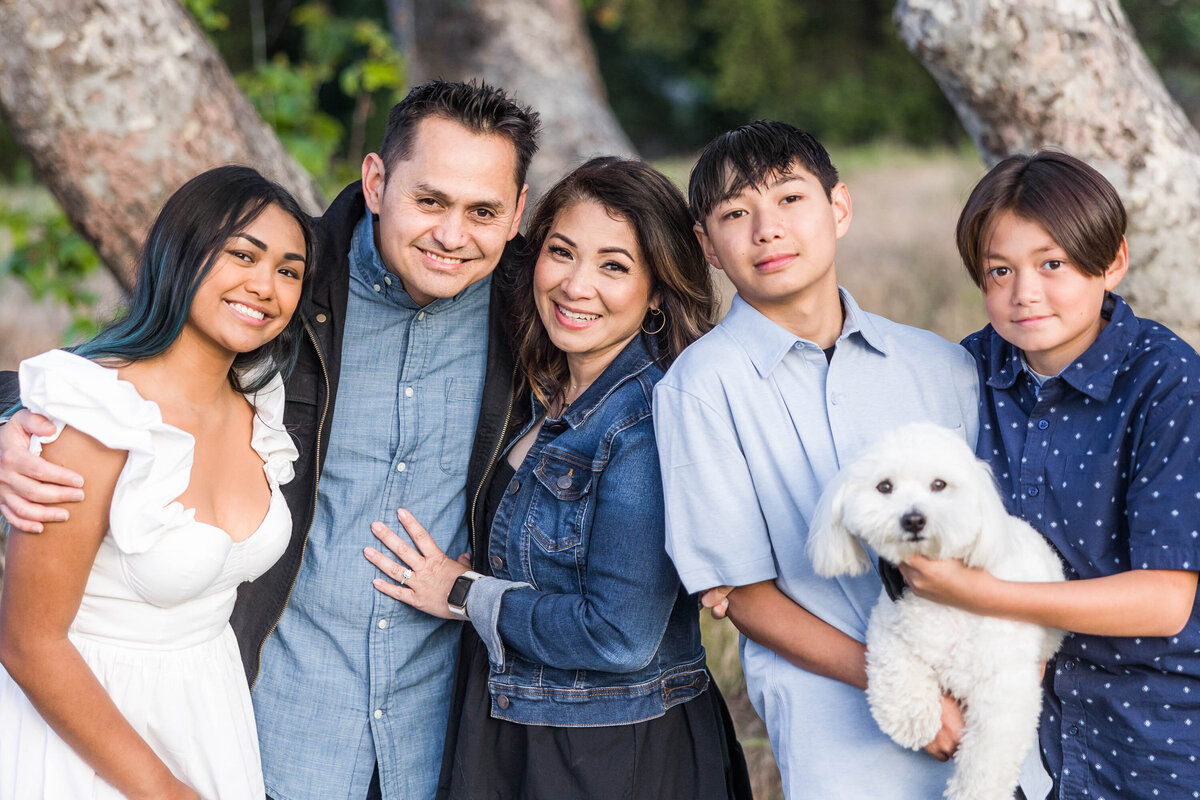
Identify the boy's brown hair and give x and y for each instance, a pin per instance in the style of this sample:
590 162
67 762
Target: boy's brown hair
1076 205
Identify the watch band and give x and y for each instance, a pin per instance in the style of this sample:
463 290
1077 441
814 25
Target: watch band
456 602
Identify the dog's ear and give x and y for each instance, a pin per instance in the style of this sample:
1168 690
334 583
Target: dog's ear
832 549
993 519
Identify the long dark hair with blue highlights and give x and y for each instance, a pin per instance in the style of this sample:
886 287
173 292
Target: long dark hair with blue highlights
182 246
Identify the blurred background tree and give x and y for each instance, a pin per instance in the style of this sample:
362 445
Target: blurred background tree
323 76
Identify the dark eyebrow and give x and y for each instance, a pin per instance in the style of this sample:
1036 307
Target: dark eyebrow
620 250
557 235
1045 249
262 246
437 194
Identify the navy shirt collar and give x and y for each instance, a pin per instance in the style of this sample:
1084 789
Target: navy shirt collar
1094 371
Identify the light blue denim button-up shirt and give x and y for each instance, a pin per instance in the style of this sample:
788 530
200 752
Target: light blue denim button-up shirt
752 423
350 676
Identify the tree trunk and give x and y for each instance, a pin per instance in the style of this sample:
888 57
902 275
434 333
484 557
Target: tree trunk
537 50
1069 74
118 102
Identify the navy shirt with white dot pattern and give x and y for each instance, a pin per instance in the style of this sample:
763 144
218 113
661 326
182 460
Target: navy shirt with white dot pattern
1104 460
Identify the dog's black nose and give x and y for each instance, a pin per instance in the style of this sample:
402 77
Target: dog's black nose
913 521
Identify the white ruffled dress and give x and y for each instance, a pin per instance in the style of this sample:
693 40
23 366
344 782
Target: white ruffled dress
154 621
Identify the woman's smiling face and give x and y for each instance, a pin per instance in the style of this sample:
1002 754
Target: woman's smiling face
591 285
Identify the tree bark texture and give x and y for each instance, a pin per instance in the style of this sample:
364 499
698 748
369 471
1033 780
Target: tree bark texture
537 50
118 102
1069 74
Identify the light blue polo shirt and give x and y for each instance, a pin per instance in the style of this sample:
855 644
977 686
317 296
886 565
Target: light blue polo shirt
751 424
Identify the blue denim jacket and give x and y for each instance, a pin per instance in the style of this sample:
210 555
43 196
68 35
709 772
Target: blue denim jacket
585 621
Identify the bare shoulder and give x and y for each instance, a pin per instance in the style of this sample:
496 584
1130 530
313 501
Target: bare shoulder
100 467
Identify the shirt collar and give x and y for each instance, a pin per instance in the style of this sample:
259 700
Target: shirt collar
766 342
1094 371
631 361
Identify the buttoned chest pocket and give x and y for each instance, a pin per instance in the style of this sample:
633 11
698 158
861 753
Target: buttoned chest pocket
558 518
459 412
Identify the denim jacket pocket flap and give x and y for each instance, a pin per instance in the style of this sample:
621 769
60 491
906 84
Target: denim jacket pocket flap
564 480
556 517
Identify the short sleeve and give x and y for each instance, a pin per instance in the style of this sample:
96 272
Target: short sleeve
716 533
1163 499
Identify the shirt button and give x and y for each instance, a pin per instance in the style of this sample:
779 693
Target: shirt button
420 316
1043 424
321 317
401 467
514 486
1073 730
1032 491
378 287
503 702
378 713
387 279
497 562
564 481
408 392
1069 665
382 623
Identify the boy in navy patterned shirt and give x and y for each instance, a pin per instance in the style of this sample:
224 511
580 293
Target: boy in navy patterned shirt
1089 422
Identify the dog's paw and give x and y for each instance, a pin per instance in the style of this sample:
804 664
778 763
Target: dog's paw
912 725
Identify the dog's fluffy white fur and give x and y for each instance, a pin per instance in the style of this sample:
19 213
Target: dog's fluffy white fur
920 490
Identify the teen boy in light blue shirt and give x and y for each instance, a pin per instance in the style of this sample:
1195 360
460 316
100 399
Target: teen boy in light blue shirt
756 417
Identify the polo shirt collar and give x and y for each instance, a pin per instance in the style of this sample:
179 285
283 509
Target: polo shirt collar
1094 372
767 342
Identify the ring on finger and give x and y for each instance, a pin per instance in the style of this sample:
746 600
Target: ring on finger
404 576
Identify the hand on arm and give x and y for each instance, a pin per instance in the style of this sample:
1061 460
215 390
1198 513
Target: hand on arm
31 488
43 586
1140 602
769 617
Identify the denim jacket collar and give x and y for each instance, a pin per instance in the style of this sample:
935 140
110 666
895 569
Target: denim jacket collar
630 362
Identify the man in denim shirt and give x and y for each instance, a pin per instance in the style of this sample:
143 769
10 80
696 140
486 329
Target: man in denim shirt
404 330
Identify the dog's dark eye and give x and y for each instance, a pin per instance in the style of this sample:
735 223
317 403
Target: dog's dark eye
884 487
937 485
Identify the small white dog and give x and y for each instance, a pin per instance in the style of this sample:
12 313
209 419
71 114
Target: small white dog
920 490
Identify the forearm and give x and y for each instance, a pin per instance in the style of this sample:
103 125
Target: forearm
67 695
769 617
1134 603
569 631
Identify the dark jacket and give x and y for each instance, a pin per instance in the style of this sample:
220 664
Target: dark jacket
311 394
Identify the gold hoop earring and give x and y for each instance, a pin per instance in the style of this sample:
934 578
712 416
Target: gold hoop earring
662 324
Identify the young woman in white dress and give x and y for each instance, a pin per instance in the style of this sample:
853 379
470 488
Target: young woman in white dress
121 674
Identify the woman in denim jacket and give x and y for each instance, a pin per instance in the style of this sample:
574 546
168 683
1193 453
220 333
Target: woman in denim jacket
582 673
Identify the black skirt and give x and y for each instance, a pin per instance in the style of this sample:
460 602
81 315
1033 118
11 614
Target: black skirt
689 753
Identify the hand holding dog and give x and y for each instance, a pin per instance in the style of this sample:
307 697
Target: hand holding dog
946 742
949 582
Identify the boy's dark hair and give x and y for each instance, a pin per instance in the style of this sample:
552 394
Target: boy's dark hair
1076 205
478 107
751 155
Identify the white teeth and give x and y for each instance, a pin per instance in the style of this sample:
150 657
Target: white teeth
249 312
577 316
443 259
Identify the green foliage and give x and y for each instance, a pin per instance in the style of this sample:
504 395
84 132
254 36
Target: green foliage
836 69
52 261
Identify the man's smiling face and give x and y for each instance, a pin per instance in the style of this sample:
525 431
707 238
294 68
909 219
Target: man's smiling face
446 211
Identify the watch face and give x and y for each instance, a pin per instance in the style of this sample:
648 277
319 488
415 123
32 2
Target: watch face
458 592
